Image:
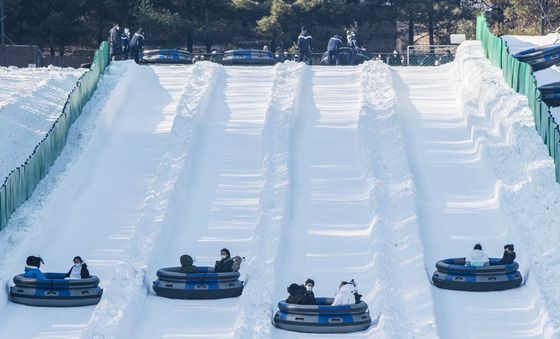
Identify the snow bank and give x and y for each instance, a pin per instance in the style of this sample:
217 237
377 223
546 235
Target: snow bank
117 311
401 292
258 297
503 125
31 99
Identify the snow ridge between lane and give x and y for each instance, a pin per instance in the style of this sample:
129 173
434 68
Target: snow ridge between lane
257 300
117 311
401 292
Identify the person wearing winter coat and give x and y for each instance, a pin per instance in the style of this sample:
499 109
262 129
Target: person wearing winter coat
187 264
477 257
353 44
225 264
32 270
305 46
298 294
136 45
125 41
335 42
509 255
114 42
79 270
345 295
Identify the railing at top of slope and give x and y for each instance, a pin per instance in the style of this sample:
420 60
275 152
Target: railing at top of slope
520 77
22 181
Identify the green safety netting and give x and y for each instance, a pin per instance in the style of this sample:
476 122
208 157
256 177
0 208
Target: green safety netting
520 77
21 182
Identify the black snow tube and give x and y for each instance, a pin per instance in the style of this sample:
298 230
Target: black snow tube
345 57
248 57
55 291
167 56
452 274
550 94
540 57
322 318
205 284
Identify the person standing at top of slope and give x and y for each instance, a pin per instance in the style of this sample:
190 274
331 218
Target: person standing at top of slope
79 270
125 41
305 46
346 294
114 42
353 44
32 269
225 264
509 255
477 257
137 45
335 42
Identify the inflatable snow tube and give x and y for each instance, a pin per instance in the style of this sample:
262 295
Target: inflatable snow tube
345 57
452 274
167 56
248 57
550 94
55 291
540 57
322 318
205 284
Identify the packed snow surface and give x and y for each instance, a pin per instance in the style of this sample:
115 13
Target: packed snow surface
31 99
331 173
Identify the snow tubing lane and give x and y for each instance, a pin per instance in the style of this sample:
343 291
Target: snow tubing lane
541 57
452 274
322 318
55 291
202 285
550 94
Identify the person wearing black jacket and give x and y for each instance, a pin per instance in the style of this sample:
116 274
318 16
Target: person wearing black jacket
79 270
509 255
225 264
114 42
137 45
298 295
187 264
305 46
333 46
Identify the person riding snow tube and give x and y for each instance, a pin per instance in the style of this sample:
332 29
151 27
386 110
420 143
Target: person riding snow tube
55 291
192 282
322 317
452 274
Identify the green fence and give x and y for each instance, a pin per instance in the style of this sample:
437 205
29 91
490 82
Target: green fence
520 77
21 182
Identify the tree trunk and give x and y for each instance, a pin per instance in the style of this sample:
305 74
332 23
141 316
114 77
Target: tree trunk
431 27
410 28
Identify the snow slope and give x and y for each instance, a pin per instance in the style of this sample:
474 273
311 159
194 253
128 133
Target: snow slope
31 99
459 190
93 209
366 172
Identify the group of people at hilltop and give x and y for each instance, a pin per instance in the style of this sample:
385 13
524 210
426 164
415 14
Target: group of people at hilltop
305 46
123 46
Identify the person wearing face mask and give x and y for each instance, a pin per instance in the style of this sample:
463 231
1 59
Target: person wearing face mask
309 296
225 264
79 270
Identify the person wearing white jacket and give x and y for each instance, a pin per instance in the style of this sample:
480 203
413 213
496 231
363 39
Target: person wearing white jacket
345 294
477 257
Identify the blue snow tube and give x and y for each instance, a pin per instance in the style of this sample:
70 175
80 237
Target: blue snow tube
248 57
55 291
205 284
452 274
540 57
167 56
322 318
550 94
